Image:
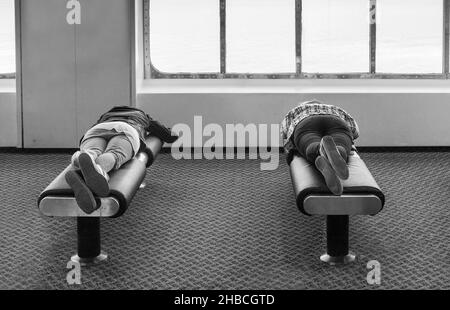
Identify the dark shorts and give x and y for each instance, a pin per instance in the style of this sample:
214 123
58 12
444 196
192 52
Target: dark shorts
308 133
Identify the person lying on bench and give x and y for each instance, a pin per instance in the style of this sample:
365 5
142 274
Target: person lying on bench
116 138
323 134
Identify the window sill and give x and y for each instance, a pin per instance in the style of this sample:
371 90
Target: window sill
167 86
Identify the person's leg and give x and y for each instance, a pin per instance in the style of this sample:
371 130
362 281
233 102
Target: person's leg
329 174
343 142
93 146
307 139
83 195
336 145
118 151
95 178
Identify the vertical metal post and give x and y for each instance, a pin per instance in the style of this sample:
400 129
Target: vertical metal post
446 38
89 244
133 20
88 230
337 241
146 23
223 36
298 36
372 35
337 235
18 75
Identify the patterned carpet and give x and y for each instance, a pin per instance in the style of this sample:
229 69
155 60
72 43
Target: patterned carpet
204 224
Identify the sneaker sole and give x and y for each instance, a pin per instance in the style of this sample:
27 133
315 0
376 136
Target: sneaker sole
332 181
94 180
337 162
84 197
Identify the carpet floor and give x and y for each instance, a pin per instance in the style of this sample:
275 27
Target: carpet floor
209 224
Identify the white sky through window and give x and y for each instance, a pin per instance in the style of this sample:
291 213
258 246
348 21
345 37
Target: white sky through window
7 37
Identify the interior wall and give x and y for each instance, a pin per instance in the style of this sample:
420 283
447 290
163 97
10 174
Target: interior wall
385 119
415 115
8 120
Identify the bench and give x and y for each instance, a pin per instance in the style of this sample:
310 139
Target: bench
58 200
361 196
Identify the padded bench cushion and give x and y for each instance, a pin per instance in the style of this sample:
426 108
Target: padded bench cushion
307 180
153 146
123 183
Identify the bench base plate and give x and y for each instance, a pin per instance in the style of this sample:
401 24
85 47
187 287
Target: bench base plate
338 260
83 261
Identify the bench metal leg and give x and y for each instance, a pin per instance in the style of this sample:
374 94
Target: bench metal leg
89 245
337 241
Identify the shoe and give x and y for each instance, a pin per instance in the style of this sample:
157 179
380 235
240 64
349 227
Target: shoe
162 132
94 176
331 179
83 195
329 150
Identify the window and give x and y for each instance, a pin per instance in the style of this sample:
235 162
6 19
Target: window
255 41
409 37
185 35
334 38
7 37
297 39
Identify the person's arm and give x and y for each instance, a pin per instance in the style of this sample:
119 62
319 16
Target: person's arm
158 130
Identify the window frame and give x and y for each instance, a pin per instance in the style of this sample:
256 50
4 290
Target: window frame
151 72
7 76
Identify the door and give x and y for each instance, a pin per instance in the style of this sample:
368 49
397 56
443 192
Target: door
71 73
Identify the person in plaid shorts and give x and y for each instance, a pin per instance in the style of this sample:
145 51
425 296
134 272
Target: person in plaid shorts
324 135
